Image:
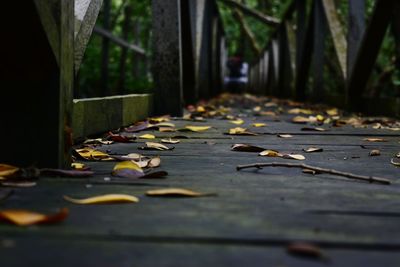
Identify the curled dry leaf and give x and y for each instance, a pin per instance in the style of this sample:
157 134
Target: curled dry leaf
104 199
375 140
395 163
155 146
97 141
92 154
301 119
166 129
308 171
159 119
313 149
270 153
79 166
176 192
237 122
293 156
120 138
147 136
154 162
374 152
285 135
128 169
195 128
305 250
240 131
170 141
259 124
26 217
7 171
137 127
246 148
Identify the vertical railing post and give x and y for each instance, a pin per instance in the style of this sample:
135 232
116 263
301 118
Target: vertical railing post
167 57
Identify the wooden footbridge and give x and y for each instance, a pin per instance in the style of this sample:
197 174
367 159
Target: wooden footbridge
198 176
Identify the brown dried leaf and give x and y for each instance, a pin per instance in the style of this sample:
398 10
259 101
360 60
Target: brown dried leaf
25 217
7 171
300 119
270 153
375 152
246 148
176 192
304 250
375 140
154 162
155 146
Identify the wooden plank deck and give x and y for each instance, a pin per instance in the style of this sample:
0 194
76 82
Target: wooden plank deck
253 218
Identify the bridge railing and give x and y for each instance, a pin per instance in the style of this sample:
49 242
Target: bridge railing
317 54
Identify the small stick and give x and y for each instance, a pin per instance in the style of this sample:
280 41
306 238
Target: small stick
369 179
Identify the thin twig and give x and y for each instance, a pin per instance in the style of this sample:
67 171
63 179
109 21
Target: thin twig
369 179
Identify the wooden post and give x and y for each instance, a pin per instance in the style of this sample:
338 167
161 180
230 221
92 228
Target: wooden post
188 64
368 52
355 31
167 57
37 82
320 31
105 47
304 48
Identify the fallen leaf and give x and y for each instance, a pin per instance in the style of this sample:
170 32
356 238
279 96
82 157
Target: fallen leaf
137 127
166 129
332 112
26 217
147 136
285 135
155 146
154 162
162 125
300 111
308 171
176 192
79 166
313 149
375 140
246 148
170 141
394 162
304 250
374 152
97 141
237 122
315 129
119 138
259 124
159 119
195 128
92 154
270 153
7 171
104 199
300 119
240 131
127 169
293 156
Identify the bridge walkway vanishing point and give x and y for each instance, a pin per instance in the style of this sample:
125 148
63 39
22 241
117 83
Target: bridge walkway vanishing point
274 216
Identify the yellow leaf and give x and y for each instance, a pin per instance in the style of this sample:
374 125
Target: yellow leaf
300 111
200 109
197 128
300 119
166 129
78 166
157 146
176 192
25 217
164 124
147 136
270 153
332 112
320 118
158 119
237 122
7 170
294 156
259 124
104 199
91 154
240 131
129 164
